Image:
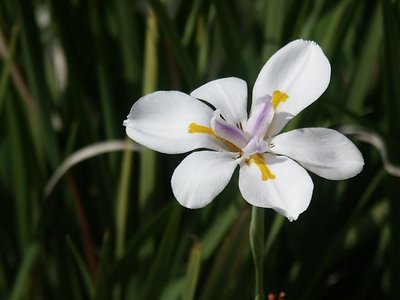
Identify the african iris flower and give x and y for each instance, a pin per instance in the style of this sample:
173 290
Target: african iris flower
272 166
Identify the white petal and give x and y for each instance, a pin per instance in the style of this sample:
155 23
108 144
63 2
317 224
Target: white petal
289 193
301 70
323 151
229 95
201 176
160 121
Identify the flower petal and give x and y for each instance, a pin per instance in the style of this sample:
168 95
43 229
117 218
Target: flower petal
323 151
229 95
260 117
301 71
160 121
201 176
289 193
227 131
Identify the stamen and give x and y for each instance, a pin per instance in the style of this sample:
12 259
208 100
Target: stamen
265 171
278 97
196 128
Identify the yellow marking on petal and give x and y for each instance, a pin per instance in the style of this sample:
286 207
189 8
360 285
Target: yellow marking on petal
278 97
196 128
259 161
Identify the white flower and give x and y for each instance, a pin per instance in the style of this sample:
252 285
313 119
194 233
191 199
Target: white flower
272 166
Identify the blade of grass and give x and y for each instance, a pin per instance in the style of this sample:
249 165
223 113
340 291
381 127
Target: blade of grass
366 65
150 75
122 202
5 74
274 231
191 22
203 43
192 273
129 40
337 242
257 241
230 35
103 73
129 258
273 16
86 153
159 268
173 290
228 260
33 58
83 270
217 230
19 176
338 24
20 85
103 284
170 32
391 24
29 259
309 25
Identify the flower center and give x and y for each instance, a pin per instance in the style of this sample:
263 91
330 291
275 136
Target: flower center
256 158
278 97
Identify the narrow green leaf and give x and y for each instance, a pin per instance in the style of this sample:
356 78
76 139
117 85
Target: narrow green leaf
366 66
257 249
391 24
28 261
228 260
191 22
274 231
150 76
173 290
34 66
128 39
332 37
217 230
192 273
103 284
159 268
122 201
5 74
273 17
181 55
231 39
83 270
19 176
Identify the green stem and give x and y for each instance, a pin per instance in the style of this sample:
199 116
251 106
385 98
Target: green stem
257 248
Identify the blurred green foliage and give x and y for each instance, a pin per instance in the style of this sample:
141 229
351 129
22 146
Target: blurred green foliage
70 71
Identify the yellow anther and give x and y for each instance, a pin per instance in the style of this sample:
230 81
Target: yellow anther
259 161
196 128
278 97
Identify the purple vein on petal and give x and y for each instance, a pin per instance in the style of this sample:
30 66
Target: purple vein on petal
228 131
261 117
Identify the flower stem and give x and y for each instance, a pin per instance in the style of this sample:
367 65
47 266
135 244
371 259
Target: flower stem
257 248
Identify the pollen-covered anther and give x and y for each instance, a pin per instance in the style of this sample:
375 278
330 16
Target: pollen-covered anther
278 97
259 161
